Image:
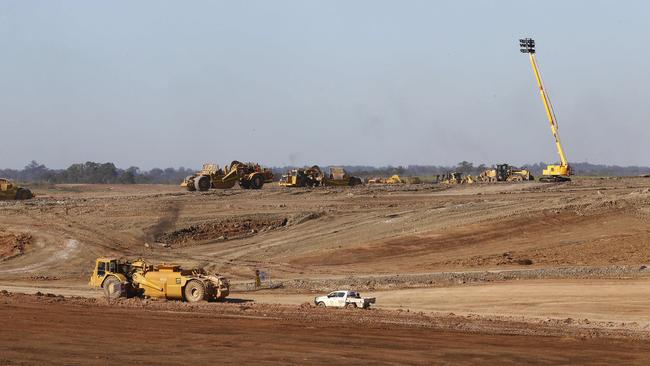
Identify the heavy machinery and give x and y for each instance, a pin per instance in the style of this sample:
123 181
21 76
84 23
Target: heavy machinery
452 178
505 173
307 177
249 176
395 179
121 278
10 191
340 177
552 173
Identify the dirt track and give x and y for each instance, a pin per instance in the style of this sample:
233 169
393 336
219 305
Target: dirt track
81 332
585 244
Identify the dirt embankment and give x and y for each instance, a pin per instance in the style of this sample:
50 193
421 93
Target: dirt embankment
231 228
227 229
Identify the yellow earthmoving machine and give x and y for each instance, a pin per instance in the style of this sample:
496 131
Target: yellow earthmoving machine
552 173
505 173
393 179
121 278
210 176
340 177
307 177
249 176
10 191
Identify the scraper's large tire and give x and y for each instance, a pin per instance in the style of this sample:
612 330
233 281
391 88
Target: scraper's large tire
23 194
257 182
194 291
202 183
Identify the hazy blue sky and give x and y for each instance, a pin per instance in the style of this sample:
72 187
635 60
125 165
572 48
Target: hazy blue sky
156 83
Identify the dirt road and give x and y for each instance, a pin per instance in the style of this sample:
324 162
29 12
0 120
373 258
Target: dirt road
621 301
72 333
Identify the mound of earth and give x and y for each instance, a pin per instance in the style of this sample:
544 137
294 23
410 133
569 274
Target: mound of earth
12 245
231 228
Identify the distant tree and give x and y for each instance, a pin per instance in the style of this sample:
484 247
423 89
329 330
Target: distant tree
465 167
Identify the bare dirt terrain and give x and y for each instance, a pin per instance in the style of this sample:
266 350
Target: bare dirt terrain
81 331
570 257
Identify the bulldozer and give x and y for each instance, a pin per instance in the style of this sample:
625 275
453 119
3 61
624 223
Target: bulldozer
123 278
307 177
249 176
340 177
10 191
505 173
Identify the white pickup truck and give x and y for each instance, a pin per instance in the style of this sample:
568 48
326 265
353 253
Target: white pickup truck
344 299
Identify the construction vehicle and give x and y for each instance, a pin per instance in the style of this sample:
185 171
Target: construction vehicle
394 179
10 191
469 179
505 173
552 173
249 176
452 178
122 278
340 177
307 177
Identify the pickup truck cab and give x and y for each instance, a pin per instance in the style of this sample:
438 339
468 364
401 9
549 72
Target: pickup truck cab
344 299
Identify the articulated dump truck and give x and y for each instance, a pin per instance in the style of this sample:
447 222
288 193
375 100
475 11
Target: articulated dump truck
121 278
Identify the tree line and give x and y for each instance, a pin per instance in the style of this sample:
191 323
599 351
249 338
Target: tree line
91 172
107 173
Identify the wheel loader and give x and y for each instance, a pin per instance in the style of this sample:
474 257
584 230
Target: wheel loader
10 191
249 176
123 278
307 177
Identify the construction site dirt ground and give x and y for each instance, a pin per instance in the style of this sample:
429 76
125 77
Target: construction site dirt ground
522 273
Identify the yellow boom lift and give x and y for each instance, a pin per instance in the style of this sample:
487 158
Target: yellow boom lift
552 173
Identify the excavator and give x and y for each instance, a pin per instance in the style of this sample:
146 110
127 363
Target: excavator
552 173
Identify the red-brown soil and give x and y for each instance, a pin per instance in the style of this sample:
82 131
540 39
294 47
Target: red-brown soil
56 331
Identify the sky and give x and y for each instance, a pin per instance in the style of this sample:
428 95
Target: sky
169 84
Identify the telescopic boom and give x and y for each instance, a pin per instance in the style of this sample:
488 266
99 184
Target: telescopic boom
553 173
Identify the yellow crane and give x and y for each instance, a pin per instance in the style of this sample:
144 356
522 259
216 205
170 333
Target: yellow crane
552 173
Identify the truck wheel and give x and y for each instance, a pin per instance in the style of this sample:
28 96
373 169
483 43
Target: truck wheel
257 182
202 183
351 305
23 194
321 304
112 288
244 184
194 291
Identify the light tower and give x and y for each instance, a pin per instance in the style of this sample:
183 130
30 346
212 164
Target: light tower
552 173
